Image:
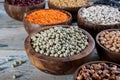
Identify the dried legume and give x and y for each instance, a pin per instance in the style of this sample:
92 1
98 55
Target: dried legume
110 40
13 66
49 16
7 59
59 41
14 76
101 15
24 2
99 71
1 68
69 3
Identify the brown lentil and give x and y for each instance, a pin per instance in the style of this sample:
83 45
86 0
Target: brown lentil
69 3
110 40
45 17
104 72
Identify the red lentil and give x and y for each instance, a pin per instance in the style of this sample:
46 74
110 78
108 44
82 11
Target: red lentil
49 16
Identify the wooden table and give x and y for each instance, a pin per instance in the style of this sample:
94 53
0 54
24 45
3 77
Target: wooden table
12 36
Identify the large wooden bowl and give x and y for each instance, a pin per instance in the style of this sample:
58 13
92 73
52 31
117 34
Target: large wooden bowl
59 66
93 62
31 27
72 10
105 53
17 12
91 27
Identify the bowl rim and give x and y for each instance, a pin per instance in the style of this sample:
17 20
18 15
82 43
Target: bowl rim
42 3
29 12
98 42
90 23
66 8
82 54
91 62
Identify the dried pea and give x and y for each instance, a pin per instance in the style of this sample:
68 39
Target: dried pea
61 42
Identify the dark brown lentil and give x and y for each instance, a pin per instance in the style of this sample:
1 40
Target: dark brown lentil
24 2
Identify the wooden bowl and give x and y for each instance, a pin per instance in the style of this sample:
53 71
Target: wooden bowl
105 53
91 27
72 10
93 62
17 12
59 66
31 27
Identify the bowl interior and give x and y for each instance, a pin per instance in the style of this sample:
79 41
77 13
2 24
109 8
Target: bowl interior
51 5
98 42
90 23
84 53
93 62
70 17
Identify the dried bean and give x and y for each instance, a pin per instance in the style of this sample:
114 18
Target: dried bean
101 15
106 71
14 76
111 40
24 2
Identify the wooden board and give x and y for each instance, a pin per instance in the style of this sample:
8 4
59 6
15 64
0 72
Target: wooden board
26 71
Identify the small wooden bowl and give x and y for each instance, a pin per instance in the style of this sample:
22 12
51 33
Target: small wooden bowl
93 62
17 12
105 53
31 27
91 27
59 66
72 10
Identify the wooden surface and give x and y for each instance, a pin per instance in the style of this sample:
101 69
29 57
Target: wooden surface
26 71
12 36
12 33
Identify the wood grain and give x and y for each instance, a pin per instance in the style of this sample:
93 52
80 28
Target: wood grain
26 70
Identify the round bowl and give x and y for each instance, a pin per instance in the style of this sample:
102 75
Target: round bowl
72 10
115 3
17 12
31 27
91 27
59 66
93 62
105 53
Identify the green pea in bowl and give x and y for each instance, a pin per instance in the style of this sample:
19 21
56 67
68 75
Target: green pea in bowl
51 62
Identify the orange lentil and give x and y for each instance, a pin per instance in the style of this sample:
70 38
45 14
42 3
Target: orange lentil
49 16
